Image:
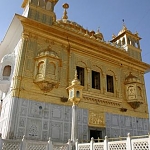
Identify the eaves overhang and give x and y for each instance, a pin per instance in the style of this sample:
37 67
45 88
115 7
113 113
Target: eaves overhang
11 37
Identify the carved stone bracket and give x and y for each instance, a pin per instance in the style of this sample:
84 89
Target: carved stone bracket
122 109
135 104
46 86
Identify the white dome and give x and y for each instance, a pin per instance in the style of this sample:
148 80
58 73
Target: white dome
8 57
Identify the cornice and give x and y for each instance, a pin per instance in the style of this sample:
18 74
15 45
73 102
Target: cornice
101 100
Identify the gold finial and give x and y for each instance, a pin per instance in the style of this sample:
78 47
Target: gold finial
137 33
98 30
124 26
113 36
87 33
75 81
65 6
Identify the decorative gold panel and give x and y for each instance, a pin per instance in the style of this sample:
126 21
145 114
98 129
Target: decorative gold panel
96 119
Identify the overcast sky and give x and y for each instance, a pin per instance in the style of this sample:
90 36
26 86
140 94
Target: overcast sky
93 14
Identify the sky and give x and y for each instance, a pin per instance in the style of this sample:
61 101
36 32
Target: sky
107 15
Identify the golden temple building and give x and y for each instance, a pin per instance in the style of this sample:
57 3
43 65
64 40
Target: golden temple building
39 56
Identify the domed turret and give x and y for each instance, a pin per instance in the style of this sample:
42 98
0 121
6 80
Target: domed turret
99 35
128 41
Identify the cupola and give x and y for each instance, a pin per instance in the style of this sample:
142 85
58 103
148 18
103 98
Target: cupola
128 41
99 35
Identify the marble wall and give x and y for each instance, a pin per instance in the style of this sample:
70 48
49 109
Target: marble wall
119 125
39 120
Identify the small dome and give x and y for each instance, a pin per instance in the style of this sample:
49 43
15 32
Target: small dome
48 52
99 35
8 57
131 78
70 24
75 81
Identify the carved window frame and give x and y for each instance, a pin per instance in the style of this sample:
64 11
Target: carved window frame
110 83
81 74
96 80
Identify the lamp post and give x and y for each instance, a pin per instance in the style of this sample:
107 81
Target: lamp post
75 95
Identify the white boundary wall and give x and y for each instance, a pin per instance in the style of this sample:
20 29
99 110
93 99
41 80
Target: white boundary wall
128 143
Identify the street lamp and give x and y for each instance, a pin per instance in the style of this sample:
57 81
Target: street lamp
75 95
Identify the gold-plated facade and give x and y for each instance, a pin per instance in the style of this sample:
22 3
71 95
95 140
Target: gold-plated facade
51 52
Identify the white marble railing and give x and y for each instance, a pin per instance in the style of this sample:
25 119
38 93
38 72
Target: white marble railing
32 145
124 143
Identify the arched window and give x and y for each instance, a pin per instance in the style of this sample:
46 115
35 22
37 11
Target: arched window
95 80
139 92
133 43
123 41
52 68
110 83
78 94
137 45
6 72
80 73
128 41
119 42
41 68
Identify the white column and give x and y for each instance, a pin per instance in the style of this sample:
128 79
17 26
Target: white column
50 145
106 143
74 124
69 145
76 145
129 142
1 142
91 143
23 144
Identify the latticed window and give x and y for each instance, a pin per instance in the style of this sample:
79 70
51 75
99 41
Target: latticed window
95 80
80 73
6 72
110 84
